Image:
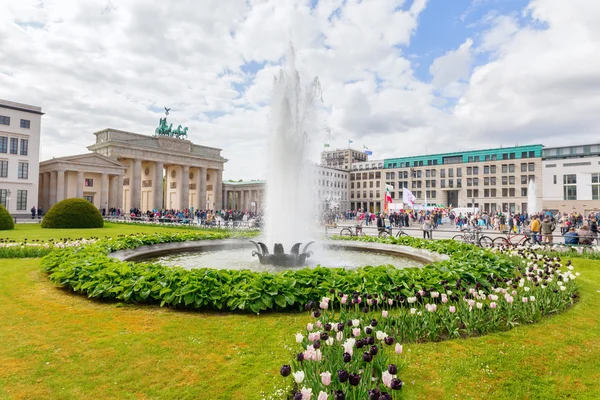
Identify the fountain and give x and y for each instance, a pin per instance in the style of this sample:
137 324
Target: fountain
290 200
294 259
532 198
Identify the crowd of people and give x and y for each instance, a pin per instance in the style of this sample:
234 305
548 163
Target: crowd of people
203 217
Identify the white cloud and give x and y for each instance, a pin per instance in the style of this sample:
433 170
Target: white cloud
453 66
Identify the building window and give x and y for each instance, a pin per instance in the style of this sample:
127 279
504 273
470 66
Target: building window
524 180
492 169
469 171
523 192
4 120
595 186
531 167
511 168
504 192
511 180
492 192
486 169
3 194
14 145
570 187
3 144
493 181
469 181
554 179
531 154
89 183
24 146
469 193
523 167
511 192
475 170
486 181
3 169
486 192
21 199
504 168
25 123
23 170
505 180
89 198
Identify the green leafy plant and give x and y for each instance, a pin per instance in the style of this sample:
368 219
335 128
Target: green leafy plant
6 221
73 213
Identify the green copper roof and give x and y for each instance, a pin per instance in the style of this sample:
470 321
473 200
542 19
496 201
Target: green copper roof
503 153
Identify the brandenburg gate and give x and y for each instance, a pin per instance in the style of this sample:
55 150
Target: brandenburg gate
128 170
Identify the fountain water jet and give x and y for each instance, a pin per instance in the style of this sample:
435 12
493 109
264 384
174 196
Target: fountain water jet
290 198
532 198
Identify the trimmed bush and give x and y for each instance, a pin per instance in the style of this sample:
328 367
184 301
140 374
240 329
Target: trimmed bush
73 213
6 221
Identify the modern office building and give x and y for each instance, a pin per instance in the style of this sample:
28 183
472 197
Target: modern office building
342 159
367 186
20 126
331 189
571 178
492 179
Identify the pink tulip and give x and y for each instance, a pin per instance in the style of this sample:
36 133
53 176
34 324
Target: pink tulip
326 378
384 313
390 301
309 327
398 348
319 324
356 332
492 305
344 299
386 377
444 298
452 309
322 395
525 299
471 303
306 393
323 305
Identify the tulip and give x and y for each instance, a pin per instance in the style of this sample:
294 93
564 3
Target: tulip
299 338
329 341
316 344
339 336
384 313
323 305
356 332
452 309
298 396
367 357
471 303
354 379
285 370
355 322
524 299
300 357
319 324
324 336
306 393
298 376
479 305
398 348
374 350
347 357
389 340
413 311
343 375
322 395
344 299
380 335
316 314
396 384
373 322
493 305
392 369
340 326
531 298
327 327
326 378
368 330
390 302
386 377
370 340
339 395
374 394
309 327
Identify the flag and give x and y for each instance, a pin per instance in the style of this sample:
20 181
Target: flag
326 144
388 196
368 152
408 197
349 141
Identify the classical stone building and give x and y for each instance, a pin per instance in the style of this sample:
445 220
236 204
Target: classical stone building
247 196
128 170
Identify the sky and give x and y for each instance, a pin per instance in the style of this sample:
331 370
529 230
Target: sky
401 77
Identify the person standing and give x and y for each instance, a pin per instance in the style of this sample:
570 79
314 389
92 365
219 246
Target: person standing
427 228
535 230
547 227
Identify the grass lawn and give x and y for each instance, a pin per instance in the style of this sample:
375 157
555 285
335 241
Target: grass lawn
35 231
62 346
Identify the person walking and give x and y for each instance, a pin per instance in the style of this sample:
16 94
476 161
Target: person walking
427 228
547 227
535 230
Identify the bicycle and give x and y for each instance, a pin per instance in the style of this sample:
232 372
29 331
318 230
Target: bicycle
388 232
470 236
358 231
525 239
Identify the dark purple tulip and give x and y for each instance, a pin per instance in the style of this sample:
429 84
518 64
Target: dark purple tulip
354 379
370 340
317 314
365 309
327 327
347 357
300 357
385 396
332 291
392 369
359 344
367 357
343 375
389 340
316 344
298 396
285 370
369 297
340 294
324 336
373 322
374 350
368 330
340 326
374 394
396 384
339 395
349 323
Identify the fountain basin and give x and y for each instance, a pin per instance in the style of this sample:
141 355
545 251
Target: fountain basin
235 254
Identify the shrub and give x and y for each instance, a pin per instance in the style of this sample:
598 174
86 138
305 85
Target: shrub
6 221
73 213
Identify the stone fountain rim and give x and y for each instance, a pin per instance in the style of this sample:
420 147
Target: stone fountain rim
145 252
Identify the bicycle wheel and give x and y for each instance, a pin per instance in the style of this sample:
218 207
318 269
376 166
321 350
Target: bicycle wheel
383 234
526 242
401 233
486 242
361 233
346 232
459 238
500 241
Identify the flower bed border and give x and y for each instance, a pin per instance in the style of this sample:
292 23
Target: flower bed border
89 270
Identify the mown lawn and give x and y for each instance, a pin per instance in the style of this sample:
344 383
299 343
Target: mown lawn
56 345
35 231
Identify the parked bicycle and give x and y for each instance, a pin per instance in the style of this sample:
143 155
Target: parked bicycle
471 236
388 232
358 231
520 239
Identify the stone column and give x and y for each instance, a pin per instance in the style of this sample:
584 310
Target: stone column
41 183
104 193
119 203
60 186
112 192
184 192
47 188
80 182
52 189
135 186
202 187
198 204
218 189
225 199
157 185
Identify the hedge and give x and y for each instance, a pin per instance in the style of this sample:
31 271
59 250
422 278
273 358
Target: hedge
71 214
